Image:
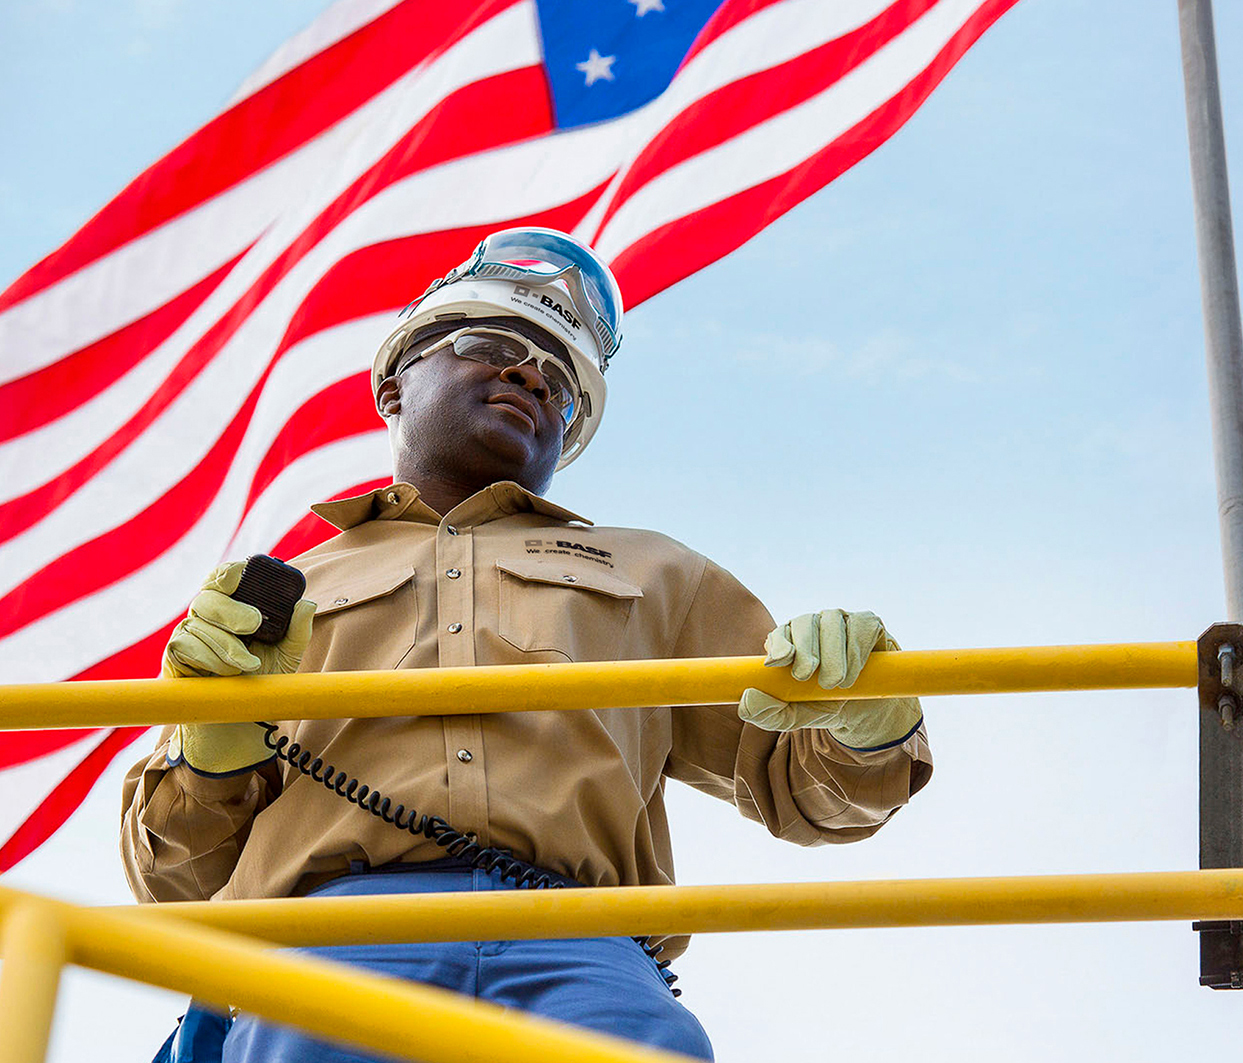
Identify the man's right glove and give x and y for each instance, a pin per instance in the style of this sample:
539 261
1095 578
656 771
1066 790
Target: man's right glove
832 645
209 641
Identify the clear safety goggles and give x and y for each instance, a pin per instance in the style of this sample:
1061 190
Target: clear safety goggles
541 256
503 349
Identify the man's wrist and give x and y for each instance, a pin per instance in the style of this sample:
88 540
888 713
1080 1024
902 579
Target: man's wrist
218 750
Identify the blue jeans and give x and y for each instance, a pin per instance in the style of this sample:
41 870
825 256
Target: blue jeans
605 984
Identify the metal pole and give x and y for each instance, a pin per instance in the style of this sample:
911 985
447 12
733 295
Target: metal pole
1221 749
1219 286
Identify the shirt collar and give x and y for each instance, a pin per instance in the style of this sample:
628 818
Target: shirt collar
400 501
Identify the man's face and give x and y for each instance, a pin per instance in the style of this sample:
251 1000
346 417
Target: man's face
471 422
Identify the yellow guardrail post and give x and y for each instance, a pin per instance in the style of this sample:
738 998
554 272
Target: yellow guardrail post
32 950
593 685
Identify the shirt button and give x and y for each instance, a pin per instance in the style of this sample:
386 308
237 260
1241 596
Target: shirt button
451 529
464 756
393 497
453 573
454 628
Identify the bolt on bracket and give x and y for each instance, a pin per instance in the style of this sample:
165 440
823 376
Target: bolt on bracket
1220 656
1221 672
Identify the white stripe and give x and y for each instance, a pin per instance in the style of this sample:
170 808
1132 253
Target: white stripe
39 456
130 609
25 787
338 22
144 274
782 142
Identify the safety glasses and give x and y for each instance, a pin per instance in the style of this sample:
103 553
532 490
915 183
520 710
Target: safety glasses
502 349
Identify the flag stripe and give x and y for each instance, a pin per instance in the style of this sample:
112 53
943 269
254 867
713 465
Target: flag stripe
719 116
65 799
696 239
79 376
338 21
262 128
145 598
341 410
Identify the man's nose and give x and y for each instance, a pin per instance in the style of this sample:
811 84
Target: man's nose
528 377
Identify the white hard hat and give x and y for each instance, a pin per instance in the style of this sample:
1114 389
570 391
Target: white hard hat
544 278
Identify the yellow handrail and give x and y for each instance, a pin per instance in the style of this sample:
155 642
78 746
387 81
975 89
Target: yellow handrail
371 1011
611 684
627 910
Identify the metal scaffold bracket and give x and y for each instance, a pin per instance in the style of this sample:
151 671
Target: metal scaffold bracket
1220 656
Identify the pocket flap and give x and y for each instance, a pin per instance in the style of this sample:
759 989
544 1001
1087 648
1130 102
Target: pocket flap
334 591
566 574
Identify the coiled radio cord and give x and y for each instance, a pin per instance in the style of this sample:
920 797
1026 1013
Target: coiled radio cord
455 843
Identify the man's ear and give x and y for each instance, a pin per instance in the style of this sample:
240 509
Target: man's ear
388 398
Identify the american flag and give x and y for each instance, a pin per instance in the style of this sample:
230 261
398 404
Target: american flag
191 366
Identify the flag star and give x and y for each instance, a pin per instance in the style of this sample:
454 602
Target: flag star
642 7
597 67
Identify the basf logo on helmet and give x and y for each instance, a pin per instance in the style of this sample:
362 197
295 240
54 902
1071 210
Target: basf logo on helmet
547 305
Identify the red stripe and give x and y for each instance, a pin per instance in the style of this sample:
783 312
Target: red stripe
341 410
665 255
46 394
734 108
19 747
134 662
311 530
63 801
725 18
266 126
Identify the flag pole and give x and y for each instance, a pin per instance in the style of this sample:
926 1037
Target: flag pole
1221 749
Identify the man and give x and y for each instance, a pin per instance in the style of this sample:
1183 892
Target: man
493 382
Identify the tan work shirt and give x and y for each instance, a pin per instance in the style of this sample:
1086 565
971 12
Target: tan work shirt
504 578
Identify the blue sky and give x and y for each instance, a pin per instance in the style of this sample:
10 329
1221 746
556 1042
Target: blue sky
963 387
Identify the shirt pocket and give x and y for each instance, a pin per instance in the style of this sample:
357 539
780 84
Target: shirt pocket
363 620
554 606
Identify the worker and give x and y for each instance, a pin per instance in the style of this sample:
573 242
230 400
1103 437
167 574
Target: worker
493 380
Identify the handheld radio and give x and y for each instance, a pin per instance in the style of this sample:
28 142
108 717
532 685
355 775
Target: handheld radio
273 588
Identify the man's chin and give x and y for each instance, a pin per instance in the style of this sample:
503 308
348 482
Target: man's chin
519 460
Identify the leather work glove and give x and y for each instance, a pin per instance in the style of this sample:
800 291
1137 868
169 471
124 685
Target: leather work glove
832 645
210 641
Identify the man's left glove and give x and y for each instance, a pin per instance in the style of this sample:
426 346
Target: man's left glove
832 645
209 642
